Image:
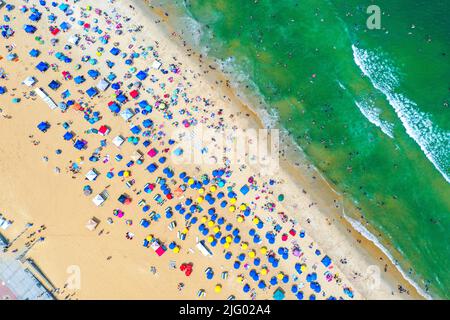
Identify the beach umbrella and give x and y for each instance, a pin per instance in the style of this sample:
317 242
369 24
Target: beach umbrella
228 255
236 265
262 284
299 295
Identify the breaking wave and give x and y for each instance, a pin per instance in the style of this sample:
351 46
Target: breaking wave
432 140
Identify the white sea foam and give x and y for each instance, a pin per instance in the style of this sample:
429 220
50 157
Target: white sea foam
432 140
372 114
358 226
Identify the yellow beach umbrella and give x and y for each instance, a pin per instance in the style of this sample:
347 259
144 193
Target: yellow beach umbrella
263 271
226 245
242 207
244 246
252 254
185 230
176 249
217 288
232 208
201 191
240 279
280 276
303 267
228 239
255 220
210 239
233 200
263 250
212 188
216 229
210 223
200 199
204 219
190 181
240 219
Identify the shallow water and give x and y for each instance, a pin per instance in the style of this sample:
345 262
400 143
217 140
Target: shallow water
368 107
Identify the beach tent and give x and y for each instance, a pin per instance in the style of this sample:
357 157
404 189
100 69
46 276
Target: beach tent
29 28
34 53
115 51
326 261
278 294
203 249
42 66
134 94
244 189
29 81
122 98
68 136
43 126
103 85
93 73
92 175
80 144
141 75
54 85
114 107
65 26
79 79
35 16
91 92
74 39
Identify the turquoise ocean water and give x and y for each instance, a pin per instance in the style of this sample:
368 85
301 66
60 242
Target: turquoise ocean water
370 108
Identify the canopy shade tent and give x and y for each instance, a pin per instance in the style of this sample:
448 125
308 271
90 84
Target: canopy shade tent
29 81
99 199
156 65
102 85
92 224
118 141
92 175
127 114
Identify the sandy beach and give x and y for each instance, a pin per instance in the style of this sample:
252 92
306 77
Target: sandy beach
40 185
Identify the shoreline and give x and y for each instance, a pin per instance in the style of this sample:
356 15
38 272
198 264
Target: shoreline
254 119
368 247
